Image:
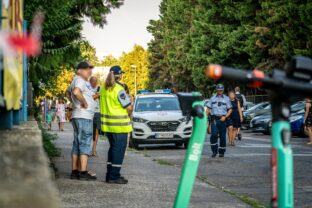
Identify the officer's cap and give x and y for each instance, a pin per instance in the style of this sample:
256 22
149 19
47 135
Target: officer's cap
84 65
116 69
220 87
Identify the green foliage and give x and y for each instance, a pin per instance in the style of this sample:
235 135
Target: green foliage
47 140
135 65
133 62
190 34
62 41
109 60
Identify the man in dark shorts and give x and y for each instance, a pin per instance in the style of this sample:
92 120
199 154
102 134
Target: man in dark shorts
97 114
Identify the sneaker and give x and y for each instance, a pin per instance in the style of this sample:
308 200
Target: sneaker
74 175
85 175
214 155
106 180
120 180
239 136
221 155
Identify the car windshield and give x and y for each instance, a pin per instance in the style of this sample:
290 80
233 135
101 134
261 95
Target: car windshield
157 104
256 106
298 106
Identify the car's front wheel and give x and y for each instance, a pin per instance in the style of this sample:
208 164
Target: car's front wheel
303 132
133 144
179 144
186 145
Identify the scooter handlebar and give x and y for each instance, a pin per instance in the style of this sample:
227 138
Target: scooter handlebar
254 78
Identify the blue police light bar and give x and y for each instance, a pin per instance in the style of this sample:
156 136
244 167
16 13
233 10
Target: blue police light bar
165 91
143 91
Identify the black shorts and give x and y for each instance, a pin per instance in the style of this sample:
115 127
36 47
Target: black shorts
97 121
236 123
229 122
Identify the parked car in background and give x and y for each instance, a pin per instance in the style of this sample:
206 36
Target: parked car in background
206 102
158 119
297 125
249 105
263 122
250 113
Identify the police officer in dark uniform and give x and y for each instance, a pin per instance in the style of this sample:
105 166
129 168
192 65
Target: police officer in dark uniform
219 109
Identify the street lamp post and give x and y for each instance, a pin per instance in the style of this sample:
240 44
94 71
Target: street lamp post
135 79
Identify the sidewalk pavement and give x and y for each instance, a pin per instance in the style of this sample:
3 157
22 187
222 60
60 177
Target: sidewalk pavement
150 183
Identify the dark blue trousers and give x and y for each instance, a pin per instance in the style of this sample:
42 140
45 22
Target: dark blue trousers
218 129
116 153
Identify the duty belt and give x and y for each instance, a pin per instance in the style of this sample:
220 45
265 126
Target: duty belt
213 117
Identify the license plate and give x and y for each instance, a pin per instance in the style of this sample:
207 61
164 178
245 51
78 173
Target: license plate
163 135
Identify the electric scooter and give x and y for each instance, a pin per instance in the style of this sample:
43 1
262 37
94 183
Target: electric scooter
285 86
191 106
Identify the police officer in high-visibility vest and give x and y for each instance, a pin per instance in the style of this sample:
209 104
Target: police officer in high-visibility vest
219 109
115 107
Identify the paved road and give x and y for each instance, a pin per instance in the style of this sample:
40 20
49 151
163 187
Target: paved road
151 185
246 167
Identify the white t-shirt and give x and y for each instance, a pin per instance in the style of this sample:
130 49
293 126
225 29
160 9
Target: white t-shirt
97 107
87 93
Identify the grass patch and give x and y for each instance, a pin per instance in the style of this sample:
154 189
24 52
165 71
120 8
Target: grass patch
244 198
164 162
146 155
103 137
48 145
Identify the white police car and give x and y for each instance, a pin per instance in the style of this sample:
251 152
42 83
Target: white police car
157 119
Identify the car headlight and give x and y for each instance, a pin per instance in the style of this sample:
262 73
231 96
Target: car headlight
184 119
266 120
139 120
270 124
294 118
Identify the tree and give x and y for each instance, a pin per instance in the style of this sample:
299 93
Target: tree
218 35
137 59
159 75
109 60
62 34
56 86
169 48
283 30
60 84
190 34
88 52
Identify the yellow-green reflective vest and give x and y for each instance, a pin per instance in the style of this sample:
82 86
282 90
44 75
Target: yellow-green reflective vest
114 118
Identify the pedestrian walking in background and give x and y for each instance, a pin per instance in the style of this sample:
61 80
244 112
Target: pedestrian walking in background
61 114
97 114
236 117
242 101
229 127
81 95
308 119
49 118
115 110
219 109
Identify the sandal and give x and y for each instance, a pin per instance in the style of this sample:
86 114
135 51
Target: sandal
87 175
94 154
92 173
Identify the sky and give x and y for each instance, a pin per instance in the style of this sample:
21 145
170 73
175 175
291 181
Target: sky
126 27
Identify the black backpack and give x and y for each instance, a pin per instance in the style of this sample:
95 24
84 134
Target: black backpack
239 97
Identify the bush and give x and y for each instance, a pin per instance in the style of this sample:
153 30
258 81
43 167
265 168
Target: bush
48 145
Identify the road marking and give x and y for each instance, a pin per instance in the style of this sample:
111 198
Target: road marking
266 154
176 157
